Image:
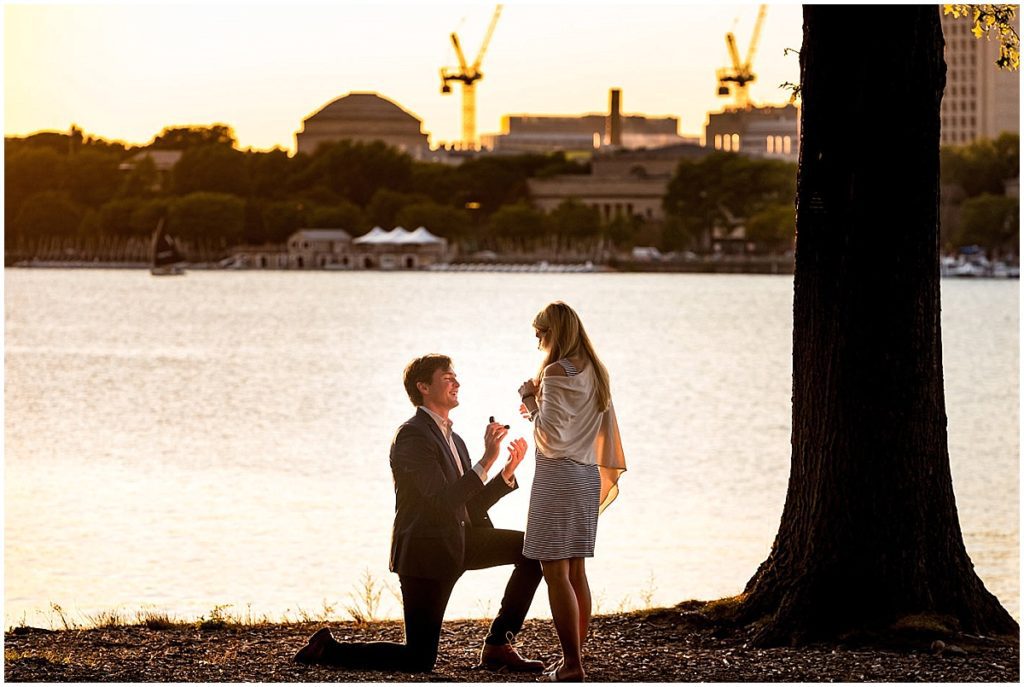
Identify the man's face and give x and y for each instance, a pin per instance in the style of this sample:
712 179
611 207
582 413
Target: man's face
443 390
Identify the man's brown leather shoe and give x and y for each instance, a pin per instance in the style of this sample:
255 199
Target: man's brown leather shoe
501 657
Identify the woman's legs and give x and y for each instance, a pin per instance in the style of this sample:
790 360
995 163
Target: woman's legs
581 588
565 612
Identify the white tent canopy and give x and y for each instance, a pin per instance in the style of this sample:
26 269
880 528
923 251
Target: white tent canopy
399 236
372 236
422 235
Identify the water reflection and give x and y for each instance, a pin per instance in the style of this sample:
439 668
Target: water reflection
223 439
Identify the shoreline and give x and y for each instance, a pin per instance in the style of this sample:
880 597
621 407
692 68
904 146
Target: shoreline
782 267
766 267
657 645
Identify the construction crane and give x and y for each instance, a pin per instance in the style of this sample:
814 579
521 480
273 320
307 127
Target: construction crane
738 78
468 75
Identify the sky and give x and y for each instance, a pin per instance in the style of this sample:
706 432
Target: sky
126 71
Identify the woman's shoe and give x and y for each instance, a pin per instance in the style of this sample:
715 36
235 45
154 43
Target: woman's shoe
554 666
554 676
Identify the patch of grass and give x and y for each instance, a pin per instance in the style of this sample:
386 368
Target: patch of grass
324 615
218 619
483 607
68 625
156 620
23 622
647 593
106 620
723 609
626 604
252 621
365 600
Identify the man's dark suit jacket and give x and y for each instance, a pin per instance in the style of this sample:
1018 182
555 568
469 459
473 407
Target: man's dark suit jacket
433 504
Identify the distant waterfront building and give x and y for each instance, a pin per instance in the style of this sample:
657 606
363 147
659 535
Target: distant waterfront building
530 133
547 133
305 249
319 248
765 132
980 101
335 249
364 117
398 249
261 257
622 183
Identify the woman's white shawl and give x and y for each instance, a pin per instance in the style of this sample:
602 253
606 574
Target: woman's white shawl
569 425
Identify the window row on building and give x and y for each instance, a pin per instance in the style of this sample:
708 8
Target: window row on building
956 59
727 142
777 145
962 90
610 211
962 105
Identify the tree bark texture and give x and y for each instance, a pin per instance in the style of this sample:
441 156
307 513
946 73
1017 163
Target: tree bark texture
870 531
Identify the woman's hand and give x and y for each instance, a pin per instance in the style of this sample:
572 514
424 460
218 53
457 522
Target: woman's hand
516 453
528 388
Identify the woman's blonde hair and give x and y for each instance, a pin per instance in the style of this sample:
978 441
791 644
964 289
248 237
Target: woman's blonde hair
563 334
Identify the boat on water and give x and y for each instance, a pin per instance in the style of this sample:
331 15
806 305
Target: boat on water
972 262
167 259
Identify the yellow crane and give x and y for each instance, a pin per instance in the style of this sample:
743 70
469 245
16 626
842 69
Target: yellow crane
735 80
468 75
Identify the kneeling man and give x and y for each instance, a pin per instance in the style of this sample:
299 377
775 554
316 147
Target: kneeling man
441 530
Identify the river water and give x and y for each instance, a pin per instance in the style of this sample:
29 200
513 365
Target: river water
177 444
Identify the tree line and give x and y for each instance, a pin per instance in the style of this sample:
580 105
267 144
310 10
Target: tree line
976 207
61 184
727 190
73 185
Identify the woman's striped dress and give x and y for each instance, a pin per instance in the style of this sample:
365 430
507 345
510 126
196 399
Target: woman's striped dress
564 500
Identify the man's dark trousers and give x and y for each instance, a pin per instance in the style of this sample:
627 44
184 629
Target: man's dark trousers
424 601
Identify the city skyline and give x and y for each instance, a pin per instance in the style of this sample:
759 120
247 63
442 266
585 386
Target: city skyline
265 70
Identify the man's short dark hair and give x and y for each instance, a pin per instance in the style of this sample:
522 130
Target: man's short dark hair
422 370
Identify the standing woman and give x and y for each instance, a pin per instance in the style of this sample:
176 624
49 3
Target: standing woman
579 460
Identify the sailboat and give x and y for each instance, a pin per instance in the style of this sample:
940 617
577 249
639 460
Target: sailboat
167 258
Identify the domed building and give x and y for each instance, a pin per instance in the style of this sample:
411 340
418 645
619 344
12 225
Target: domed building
363 117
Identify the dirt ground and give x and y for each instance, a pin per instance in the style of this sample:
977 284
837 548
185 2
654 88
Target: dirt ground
662 645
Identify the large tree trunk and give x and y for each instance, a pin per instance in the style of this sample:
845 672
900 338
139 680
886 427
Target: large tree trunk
870 531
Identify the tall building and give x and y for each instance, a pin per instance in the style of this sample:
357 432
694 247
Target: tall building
363 117
980 101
